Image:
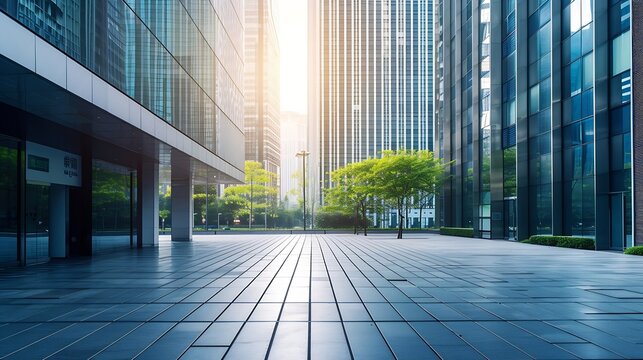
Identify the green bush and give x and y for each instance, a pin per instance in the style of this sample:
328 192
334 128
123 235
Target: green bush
334 220
542 240
464 232
635 250
562 241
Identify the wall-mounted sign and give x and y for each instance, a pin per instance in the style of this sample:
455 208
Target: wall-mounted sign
52 166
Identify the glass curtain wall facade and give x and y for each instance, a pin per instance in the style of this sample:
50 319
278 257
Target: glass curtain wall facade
375 79
553 119
182 60
96 94
8 202
261 92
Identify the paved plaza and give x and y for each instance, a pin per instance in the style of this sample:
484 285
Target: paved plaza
327 297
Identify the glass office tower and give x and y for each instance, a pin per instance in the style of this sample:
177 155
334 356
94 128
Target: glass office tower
94 96
533 109
261 92
373 82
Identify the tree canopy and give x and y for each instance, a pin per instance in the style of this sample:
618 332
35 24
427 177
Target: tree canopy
397 178
353 191
255 194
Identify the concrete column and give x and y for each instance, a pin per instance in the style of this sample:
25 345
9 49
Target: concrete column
637 126
182 205
58 220
149 204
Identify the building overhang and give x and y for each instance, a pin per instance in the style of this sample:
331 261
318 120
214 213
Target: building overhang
38 78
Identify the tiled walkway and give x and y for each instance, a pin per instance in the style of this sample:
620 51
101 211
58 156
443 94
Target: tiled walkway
327 297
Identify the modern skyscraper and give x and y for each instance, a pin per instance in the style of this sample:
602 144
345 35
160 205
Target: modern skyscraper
261 81
94 96
533 106
374 79
293 140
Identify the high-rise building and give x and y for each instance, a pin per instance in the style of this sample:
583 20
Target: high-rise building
94 97
293 140
533 108
372 85
261 85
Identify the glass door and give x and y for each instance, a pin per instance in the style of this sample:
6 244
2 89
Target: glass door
37 223
114 203
510 218
617 222
8 203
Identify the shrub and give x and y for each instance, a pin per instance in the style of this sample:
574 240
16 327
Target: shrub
464 232
542 240
334 220
635 250
562 241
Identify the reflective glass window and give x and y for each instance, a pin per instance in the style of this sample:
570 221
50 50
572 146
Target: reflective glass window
8 204
621 53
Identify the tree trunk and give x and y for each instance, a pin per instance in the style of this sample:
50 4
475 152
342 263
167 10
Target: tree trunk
401 221
364 220
401 226
355 223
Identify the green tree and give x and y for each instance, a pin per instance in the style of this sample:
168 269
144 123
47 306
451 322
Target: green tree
400 175
165 205
163 214
254 195
353 191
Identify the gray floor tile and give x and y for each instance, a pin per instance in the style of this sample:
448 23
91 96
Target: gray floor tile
327 341
204 353
416 297
135 342
252 342
290 341
366 342
589 351
173 343
405 342
219 334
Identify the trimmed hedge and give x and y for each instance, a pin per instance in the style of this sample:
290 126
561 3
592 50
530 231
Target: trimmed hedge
562 241
635 250
463 232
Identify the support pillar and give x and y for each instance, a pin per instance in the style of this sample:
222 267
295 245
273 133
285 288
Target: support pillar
149 204
637 125
182 205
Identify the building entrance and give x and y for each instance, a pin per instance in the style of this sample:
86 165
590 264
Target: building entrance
617 222
37 223
46 220
510 218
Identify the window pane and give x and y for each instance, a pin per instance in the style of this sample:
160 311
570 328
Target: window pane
586 8
588 72
575 16
621 53
534 99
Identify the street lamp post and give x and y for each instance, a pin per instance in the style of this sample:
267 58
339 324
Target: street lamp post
218 222
303 154
251 200
206 203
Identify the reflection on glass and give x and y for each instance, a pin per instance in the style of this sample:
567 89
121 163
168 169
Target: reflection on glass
173 57
113 207
8 205
37 221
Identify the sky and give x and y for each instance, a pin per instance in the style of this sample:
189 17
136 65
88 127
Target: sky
292 31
